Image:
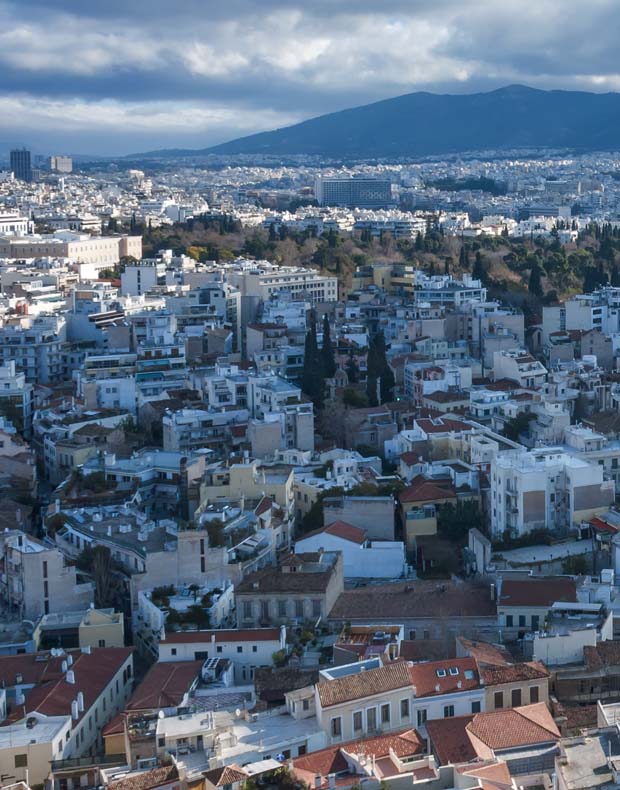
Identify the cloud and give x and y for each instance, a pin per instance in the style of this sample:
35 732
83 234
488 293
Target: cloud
201 71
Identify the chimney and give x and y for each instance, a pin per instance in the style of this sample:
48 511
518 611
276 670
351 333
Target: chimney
86 650
70 677
69 660
80 701
317 780
74 710
63 666
331 778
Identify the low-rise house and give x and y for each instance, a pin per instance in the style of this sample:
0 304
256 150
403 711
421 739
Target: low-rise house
374 514
524 604
526 738
90 628
508 683
85 688
427 610
361 558
247 649
368 697
303 588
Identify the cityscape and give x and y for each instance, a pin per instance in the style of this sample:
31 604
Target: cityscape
310 405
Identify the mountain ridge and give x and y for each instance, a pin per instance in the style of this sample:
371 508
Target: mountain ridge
424 124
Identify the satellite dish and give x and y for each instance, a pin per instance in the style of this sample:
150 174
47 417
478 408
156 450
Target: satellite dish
238 713
161 714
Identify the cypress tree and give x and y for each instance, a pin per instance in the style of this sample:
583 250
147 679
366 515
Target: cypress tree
327 351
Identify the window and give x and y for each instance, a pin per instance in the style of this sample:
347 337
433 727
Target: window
535 622
454 671
475 706
173 651
102 643
412 634
516 698
385 713
521 621
499 700
239 648
448 711
404 709
427 634
299 608
441 673
509 621
247 609
21 761
219 648
302 750
254 649
371 719
305 704
357 721
421 717
534 694
264 610
336 727
316 607
282 608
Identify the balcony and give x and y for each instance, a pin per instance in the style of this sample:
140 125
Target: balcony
88 762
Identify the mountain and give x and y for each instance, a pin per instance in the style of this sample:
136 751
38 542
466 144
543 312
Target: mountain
422 124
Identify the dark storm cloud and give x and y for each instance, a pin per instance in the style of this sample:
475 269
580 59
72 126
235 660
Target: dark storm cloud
146 73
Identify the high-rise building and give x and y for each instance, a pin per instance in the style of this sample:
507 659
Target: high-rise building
354 192
20 164
61 164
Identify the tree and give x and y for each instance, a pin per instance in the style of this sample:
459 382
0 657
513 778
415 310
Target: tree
327 351
479 271
352 370
312 379
378 372
517 425
534 285
455 521
98 562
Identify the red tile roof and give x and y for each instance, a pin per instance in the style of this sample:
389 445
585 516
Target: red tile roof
464 738
51 693
340 529
410 458
226 775
222 635
165 685
537 591
423 490
263 506
364 684
428 683
404 743
443 425
148 779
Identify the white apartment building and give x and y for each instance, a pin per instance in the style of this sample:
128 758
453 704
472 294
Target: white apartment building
247 649
261 279
94 252
35 579
107 381
36 348
187 430
14 224
140 278
545 489
520 366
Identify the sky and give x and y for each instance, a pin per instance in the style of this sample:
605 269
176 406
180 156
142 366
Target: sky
116 77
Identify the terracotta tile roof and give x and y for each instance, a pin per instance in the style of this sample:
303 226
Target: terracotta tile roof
340 529
147 779
421 598
494 775
485 653
165 685
223 635
424 650
604 654
410 458
461 674
364 684
537 591
503 385
455 740
115 726
443 425
405 743
422 490
263 506
523 671
51 693
226 775
450 741
273 580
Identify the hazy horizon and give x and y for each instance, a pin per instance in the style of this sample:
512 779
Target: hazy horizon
119 78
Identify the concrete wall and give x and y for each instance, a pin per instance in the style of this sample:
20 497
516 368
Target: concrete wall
374 514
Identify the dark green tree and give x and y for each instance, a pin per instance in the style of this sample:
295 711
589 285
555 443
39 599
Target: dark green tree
312 379
327 351
378 372
352 369
534 285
